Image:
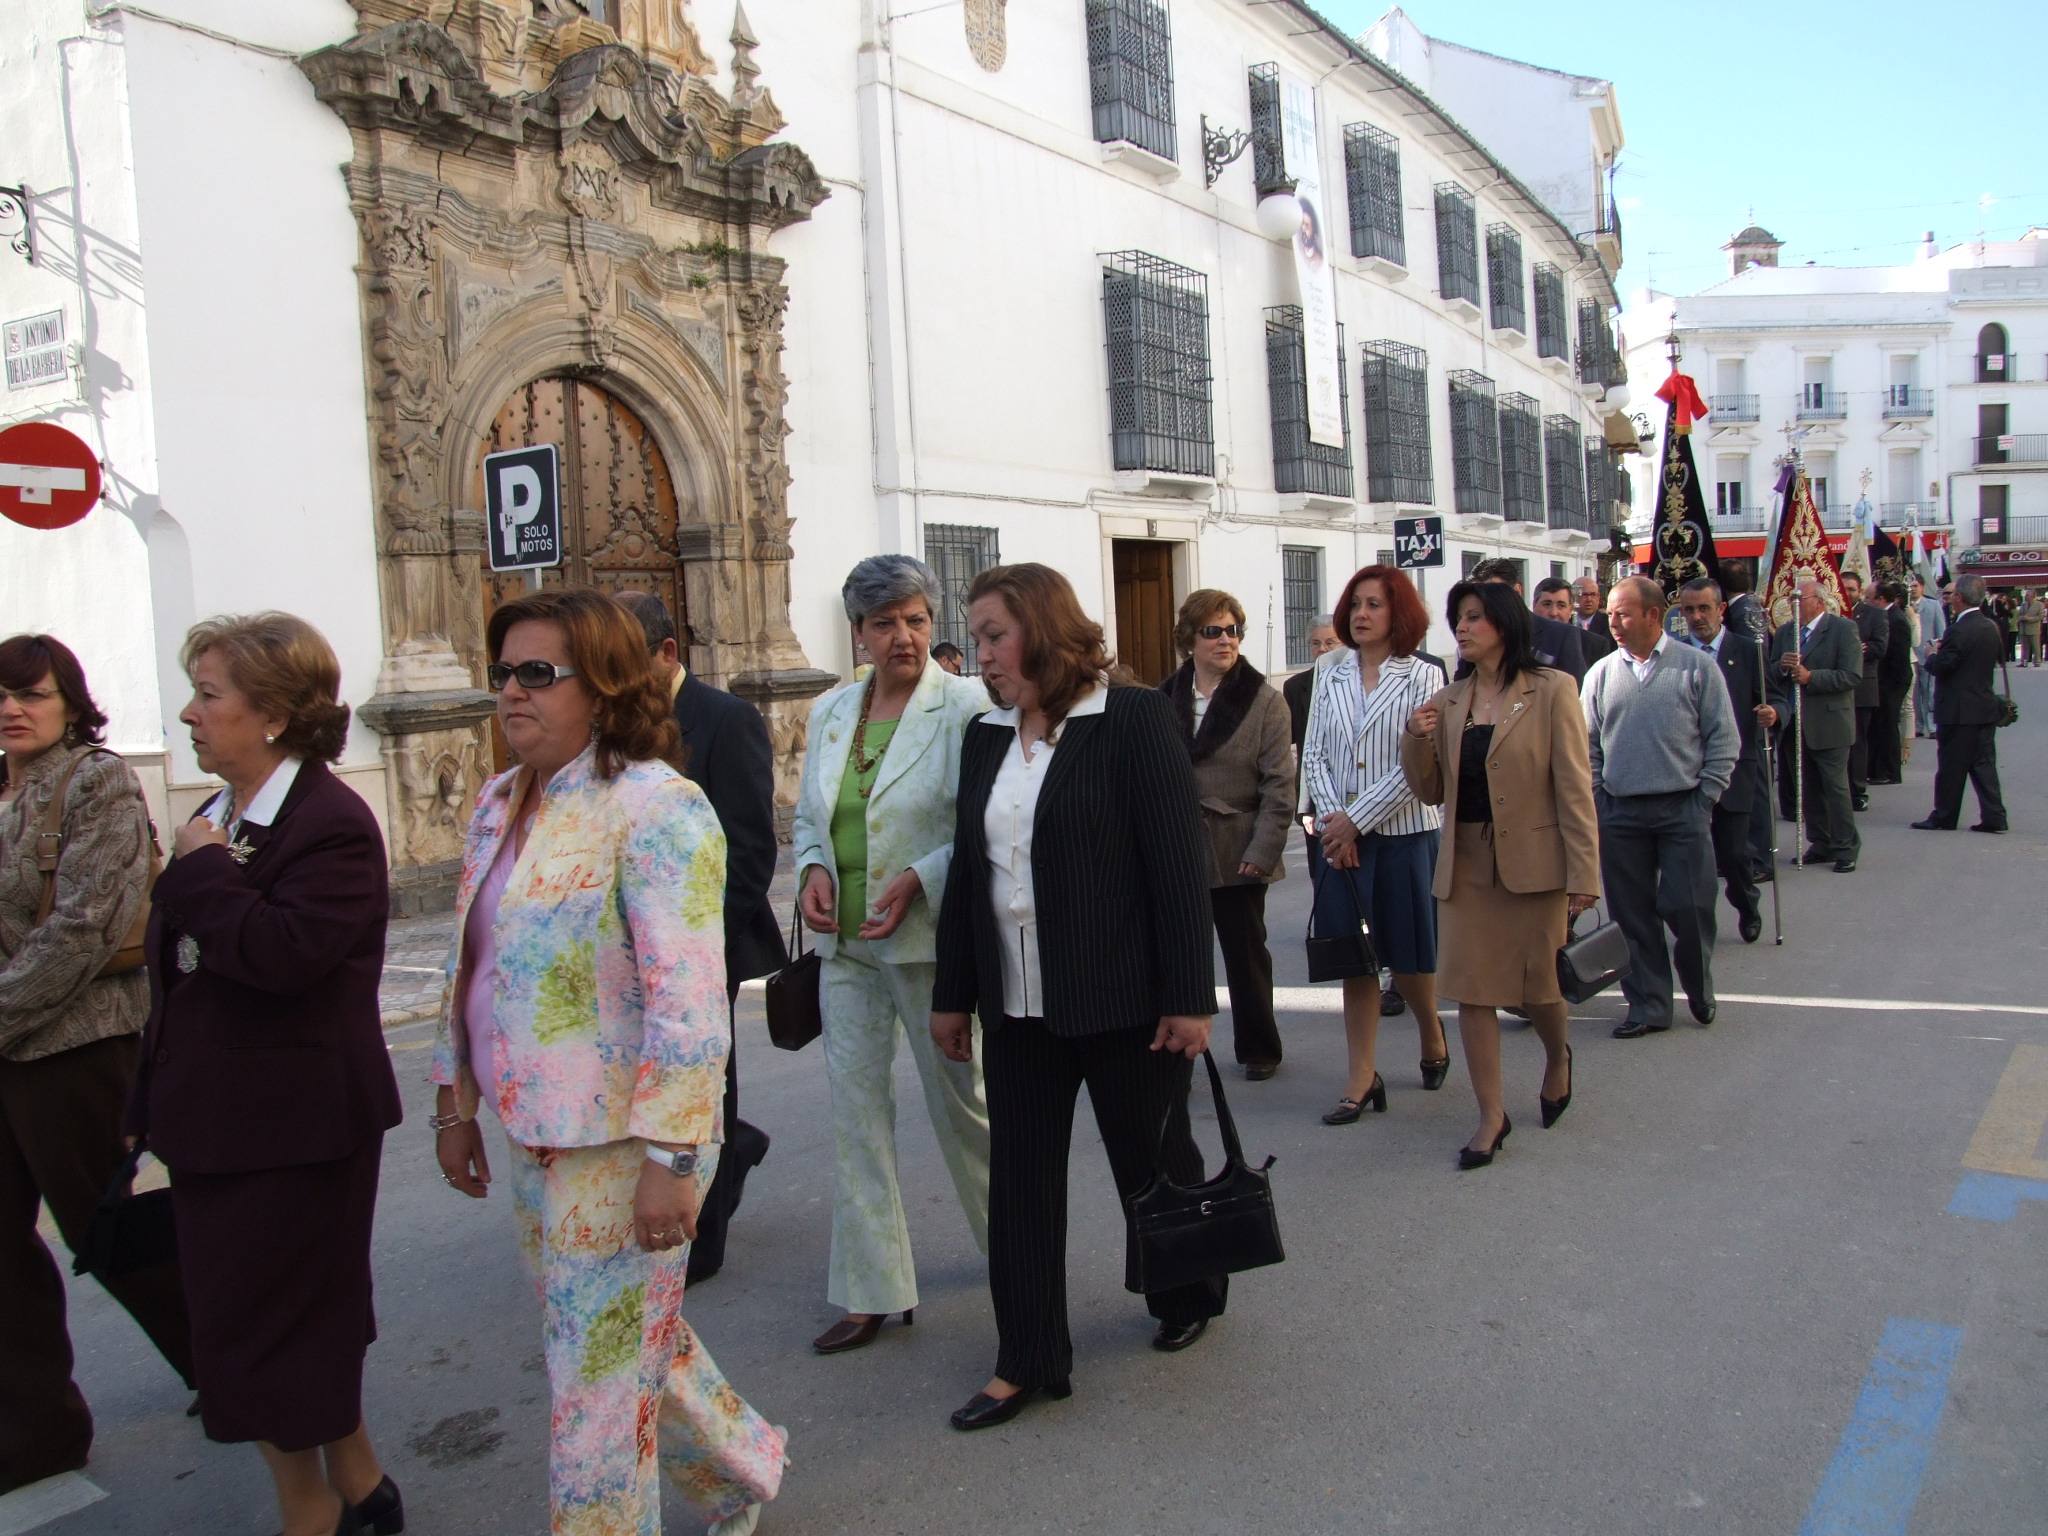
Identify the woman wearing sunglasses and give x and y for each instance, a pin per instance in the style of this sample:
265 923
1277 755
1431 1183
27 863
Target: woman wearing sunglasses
587 1014
1236 728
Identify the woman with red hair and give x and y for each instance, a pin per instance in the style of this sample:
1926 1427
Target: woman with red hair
1375 854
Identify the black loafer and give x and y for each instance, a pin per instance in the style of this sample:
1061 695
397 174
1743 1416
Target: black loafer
984 1412
1704 1012
1392 1003
1981 827
1931 825
1259 1071
1845 866
1175 1337
1635 1029
1751 926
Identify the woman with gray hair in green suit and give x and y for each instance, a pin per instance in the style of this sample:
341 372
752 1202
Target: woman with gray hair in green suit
873 839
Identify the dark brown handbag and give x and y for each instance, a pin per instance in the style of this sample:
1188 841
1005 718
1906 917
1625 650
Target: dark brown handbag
128 1232
1179 1235
50 850
1589 966
795 1018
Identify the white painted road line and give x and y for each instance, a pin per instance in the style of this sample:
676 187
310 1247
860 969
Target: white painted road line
51 1499
1331 1000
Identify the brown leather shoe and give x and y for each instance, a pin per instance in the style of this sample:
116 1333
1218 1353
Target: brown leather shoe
846 1334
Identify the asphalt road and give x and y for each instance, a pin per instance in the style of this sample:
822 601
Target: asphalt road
1658 1317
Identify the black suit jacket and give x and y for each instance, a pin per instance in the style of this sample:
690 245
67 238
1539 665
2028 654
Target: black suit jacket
1963 666
1119 873
1297 691
1746 617
271 1052
731 761
1895 673
1561 647
1742 670
1875 631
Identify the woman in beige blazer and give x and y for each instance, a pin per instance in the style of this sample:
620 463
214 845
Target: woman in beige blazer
1504 749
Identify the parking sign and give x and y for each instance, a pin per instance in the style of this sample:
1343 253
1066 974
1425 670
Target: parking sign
523 507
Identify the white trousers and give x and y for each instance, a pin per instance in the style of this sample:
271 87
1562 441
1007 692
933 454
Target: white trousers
865 1001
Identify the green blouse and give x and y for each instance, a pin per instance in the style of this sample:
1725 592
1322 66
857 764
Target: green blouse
850 829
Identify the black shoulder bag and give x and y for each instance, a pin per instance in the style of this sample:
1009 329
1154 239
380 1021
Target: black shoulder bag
128 1232
1347 952
1178 1236
794 1016
2008 706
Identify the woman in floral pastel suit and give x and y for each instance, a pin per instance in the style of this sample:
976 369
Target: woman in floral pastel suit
587 1012
874 839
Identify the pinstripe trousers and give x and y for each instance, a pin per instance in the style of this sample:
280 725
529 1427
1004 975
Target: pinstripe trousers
1032 1078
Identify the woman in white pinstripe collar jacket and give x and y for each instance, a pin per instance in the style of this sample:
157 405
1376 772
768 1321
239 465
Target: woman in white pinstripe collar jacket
1375 853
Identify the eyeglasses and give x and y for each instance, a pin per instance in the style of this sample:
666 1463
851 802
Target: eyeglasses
28 698
531 674
1218 631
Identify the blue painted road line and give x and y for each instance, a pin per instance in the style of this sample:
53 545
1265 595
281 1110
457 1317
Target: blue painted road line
1872 1483
1994 1196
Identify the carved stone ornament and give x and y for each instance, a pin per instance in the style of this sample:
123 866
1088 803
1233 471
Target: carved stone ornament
987 32
543 195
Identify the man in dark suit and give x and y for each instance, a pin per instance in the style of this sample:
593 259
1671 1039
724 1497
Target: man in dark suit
1554 602
1894 683
1966 714
1298 689
1556 645
1816 663
729 758
1746 621
1874 630
1746 795
1591 605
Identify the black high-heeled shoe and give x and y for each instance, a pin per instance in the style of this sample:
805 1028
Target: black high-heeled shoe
1434 1070
984 1412
1348 1110
1470 1158
1553 1109
383 1511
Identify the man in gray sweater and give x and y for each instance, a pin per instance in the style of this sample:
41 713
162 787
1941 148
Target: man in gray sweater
1664 743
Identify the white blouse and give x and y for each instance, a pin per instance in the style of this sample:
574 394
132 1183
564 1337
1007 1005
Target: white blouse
1006 826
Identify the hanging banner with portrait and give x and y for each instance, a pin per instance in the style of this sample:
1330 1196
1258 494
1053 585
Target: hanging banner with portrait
1313 276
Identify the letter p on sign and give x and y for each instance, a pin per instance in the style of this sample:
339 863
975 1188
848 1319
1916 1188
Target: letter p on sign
523 500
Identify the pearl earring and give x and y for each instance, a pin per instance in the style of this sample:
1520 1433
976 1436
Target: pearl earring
269 741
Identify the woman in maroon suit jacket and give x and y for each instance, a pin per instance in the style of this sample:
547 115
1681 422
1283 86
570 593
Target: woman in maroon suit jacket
264 1086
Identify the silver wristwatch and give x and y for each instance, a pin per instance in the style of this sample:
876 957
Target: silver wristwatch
682 1162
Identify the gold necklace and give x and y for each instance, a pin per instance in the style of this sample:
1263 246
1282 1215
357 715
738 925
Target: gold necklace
863 765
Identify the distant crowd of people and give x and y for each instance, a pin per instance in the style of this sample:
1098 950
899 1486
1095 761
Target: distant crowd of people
1022 873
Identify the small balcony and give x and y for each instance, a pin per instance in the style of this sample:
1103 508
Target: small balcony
1822 402
1748 520
1996 368
2026 530
1912 514
1907 402
1724 410
2013 448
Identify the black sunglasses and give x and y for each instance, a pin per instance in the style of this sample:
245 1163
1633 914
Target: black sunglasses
531 674
1218 631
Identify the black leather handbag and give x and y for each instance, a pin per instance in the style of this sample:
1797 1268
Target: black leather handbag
2008 706
1589 966
795 1018
1178 1236
1348 952
128 1232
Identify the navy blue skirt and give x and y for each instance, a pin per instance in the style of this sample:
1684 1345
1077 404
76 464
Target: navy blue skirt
1390 889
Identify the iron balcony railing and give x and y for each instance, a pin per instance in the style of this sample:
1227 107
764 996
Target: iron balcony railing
1912 514
1903 402
1269 159
1301 466
2013 448
1457 244
2026 530
1130 73
1156 319
1744 520
1475 443
1564 472
1372 183
1996 367
1725 408
1822 402
1552 322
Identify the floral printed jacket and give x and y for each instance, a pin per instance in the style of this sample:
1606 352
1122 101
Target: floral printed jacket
609 1019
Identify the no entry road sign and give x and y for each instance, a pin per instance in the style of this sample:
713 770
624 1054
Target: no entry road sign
1418 542
49 478
523 506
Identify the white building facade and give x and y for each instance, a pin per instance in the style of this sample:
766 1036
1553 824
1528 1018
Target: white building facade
1922 386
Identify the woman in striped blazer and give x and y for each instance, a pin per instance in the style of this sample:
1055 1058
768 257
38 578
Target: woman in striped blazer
1375 855
1076 923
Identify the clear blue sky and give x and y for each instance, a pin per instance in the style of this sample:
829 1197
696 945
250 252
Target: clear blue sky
1848 128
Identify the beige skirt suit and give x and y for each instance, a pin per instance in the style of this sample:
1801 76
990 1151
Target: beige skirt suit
1501 885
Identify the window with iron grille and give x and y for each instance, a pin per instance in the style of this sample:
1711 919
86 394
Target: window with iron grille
1372 184
1599 489
1457 243
1156 315
1510 312
1599 358
957 554
1521 458
1269 157
1130 73
1397 459
1302 467
1301 598
1553 325
1564 472
1475 443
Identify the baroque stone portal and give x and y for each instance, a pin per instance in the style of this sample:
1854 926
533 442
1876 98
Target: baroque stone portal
543 197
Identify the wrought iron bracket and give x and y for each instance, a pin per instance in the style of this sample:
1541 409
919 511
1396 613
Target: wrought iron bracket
14 203
1220 146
